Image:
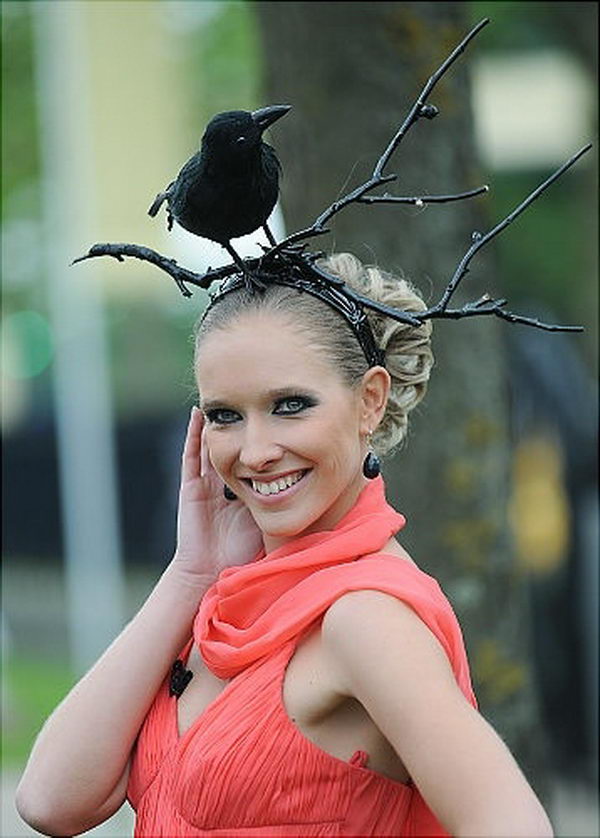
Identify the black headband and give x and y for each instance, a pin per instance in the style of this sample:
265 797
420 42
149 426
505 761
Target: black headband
334 295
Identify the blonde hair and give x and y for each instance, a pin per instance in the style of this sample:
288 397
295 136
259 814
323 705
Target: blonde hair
408 354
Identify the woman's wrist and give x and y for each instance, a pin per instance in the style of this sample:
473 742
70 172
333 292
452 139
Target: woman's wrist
191 581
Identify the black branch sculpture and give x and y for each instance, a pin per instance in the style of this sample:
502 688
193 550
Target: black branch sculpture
291 251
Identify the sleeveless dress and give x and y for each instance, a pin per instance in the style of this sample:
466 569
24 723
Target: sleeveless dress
243 768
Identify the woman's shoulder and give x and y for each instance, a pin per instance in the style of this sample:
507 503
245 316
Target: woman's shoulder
388 574
367 633
394 562
394 548
391 605
340 586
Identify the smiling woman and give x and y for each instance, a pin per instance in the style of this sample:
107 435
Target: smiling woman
317 436
321 684
290 398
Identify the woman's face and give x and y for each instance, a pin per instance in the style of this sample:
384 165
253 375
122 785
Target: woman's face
283 430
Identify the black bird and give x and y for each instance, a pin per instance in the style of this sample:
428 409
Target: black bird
229 187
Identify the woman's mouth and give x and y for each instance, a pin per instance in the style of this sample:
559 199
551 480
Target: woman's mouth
282 486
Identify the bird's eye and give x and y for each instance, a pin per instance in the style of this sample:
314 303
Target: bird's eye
241 140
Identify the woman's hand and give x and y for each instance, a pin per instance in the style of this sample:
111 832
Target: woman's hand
212 532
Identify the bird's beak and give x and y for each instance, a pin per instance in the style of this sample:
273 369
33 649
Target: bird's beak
264 117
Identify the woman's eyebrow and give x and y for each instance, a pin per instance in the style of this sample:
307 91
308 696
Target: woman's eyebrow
269 396
210 404
285 392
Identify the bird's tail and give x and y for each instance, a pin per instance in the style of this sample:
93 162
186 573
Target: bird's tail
158 202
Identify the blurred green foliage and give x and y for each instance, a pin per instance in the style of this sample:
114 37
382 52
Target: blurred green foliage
548 256
517 25
534 25
151 352
31 332
539 256
226 55
32 688
20 151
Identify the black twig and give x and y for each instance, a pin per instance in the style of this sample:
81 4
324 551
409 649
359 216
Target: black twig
496 307
420 109
170 266
479 239
421 200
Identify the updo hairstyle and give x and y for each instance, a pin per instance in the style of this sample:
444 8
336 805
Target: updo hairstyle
408 354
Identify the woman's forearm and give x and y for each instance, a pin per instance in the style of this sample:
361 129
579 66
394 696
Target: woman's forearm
531 823
82 750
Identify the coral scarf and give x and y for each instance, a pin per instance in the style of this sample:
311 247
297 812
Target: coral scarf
253 609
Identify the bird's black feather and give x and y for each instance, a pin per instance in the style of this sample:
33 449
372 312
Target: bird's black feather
230 186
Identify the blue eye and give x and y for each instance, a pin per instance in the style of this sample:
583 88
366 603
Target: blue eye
222 416
294 404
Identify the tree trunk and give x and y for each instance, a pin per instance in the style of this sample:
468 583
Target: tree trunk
351 72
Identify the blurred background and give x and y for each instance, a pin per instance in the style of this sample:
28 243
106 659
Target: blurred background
102 102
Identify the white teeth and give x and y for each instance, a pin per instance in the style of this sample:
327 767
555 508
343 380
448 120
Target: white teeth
277 486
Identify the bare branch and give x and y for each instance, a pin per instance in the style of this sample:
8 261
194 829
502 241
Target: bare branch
146 254
421 200
494 307
419 109
479 240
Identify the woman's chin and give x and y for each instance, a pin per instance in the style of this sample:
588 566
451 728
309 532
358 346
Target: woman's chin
283 529
278 529
303 513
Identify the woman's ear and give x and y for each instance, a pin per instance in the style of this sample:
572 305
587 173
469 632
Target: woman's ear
375 389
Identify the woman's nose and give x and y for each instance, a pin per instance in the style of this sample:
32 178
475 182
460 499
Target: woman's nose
258 449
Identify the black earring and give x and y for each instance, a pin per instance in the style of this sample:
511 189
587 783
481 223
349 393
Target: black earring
229 494
371 466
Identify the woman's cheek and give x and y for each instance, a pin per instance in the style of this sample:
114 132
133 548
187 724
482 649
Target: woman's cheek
216 451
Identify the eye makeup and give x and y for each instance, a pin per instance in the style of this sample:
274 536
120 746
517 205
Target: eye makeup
221 416
290 404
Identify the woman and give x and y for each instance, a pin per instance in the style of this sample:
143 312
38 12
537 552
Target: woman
328 690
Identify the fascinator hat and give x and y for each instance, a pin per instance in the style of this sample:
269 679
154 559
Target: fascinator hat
289 262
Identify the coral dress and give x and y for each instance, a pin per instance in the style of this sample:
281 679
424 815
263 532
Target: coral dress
243 768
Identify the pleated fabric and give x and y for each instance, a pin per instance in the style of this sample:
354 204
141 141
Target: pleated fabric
243 768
